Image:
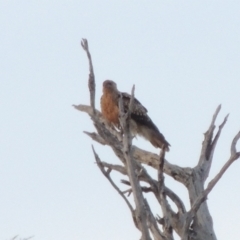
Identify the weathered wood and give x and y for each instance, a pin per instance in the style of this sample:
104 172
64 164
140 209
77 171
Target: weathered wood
195 224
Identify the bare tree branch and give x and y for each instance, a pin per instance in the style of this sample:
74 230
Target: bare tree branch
107 175
209 145
96 137
106 129
178 173
191 225
110 135
127 152
176 199
166 209
219 132
118 168
146 178
15 237
167 212
91 80
130 108
234 153
234 156
152 222
160 171
208 137
175 218
173 196
129 191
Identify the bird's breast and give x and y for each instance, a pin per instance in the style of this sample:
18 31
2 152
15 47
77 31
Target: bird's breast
109 108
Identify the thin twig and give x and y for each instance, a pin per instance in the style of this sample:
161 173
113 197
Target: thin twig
160 171
163 200
219 130
119 168
176 199
216 114
131 100
206 148
107 175
96 137
91 79
234 152
173 196
129 191
206 165
110 135
152 223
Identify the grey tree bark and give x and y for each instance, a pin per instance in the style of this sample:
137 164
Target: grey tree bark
195 224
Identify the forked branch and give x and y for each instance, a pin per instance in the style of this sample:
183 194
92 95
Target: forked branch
107 175
209 144
190 215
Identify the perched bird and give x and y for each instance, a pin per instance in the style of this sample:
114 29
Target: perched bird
140 122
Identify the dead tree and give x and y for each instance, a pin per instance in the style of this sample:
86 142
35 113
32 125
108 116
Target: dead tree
195 224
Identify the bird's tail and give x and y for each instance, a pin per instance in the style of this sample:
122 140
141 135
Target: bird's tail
153 135
158 140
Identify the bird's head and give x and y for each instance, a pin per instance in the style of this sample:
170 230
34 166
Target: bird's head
109 85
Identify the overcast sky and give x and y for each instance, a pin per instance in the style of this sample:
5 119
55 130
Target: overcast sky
183 57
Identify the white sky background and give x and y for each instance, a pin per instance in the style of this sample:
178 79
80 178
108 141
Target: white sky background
183 57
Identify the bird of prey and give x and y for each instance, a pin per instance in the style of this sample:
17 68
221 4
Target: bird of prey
140 122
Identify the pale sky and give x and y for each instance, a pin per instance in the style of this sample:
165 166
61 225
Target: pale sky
182 56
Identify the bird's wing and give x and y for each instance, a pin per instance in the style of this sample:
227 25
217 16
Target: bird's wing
138 108
139 112
145 125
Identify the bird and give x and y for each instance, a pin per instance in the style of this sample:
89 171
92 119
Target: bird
140 123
